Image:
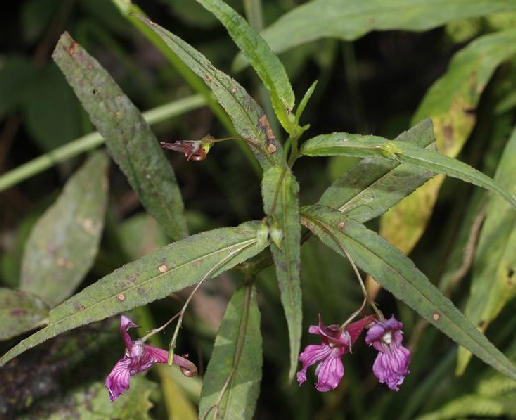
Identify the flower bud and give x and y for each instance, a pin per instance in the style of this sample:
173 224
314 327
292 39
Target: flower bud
276 234
262 235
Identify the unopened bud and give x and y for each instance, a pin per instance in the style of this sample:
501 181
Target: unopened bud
276 234
262 235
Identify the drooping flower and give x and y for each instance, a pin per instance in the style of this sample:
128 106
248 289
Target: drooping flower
391 364
334 344
139 357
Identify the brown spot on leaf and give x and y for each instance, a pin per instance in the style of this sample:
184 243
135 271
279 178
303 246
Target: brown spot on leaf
436 316
263 124
71 48
481 323
18 312
78 306
162 268
448 132
341 225
121 297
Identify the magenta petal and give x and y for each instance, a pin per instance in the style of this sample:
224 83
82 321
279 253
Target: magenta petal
329 372
391 364
391 367
311 355
117 381
125 324
139 357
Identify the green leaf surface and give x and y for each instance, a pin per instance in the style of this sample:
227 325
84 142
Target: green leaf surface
248 118
16 76
51 126
375 184
343 144
155 276
92 402
266 64
493 283
351 19
451 103
140 235
232 382
452 100
280 192
62 245
129 139
20 312
398 274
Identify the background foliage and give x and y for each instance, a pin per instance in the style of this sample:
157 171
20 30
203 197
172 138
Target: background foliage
379 71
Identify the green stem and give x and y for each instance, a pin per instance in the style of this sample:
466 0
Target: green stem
91 141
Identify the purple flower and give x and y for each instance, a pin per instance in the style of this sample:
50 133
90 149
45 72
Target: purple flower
139 357
334 344
391 364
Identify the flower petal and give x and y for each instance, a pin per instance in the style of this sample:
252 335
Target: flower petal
311 355
125 324
330 372
117 381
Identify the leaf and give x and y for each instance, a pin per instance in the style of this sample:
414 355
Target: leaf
348 19
62 245
452 100
494 268
19 312
248 118
342 144
451 103
16 74
129 139
375 184
51 126
177 404
232 381
266 64
396 273
280 192
92 402
140 235
155 276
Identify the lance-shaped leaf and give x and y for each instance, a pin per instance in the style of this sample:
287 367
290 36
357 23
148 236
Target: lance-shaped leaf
266 64
350 19
232 382
90 402
398 274
155 276
375 184
280 192
343 144
62 245
248 118
129 139
495 259
20 311
451 103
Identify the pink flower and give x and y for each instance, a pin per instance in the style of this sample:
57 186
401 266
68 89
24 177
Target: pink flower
334 344
139 357
391 364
